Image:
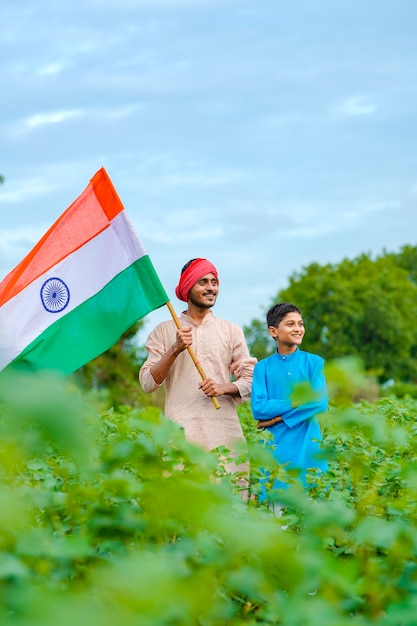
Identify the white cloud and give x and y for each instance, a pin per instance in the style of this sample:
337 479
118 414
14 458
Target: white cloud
22 237
177 236
15 245
176 172
158 4
354 106
116 113
200 179
21 190
55 117
51 69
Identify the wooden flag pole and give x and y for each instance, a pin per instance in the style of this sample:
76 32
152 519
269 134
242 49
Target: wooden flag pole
191 353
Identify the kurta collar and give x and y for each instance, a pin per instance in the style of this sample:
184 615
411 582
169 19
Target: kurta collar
206 319
288 357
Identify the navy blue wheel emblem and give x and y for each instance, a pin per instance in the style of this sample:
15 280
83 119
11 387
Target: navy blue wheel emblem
55 295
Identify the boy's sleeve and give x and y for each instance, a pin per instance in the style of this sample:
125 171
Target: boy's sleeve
264 408
306 411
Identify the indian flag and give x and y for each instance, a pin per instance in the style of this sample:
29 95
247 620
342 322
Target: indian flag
81 287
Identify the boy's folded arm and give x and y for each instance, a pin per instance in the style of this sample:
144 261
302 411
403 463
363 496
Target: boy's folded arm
264 409
267 423
303 412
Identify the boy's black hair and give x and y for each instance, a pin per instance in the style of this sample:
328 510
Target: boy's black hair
279 311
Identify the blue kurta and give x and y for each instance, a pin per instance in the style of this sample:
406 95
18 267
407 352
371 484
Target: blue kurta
274 379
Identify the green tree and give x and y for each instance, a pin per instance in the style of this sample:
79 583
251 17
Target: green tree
114 374
258 339
407 259
362 307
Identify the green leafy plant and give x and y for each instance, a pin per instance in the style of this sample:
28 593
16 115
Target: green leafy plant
113 517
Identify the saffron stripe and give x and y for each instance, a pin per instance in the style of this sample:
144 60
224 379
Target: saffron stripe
85 218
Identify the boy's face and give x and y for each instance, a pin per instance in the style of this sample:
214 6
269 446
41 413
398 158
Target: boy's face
290 331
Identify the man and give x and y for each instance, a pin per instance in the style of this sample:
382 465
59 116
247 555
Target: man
220 348
294 425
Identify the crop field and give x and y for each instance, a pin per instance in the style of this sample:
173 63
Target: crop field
111 517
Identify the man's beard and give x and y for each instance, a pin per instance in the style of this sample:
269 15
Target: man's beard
201 305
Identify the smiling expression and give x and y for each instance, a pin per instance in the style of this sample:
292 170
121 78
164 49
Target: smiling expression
204 293
290 332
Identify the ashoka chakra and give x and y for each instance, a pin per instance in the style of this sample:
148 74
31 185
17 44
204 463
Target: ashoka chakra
55 295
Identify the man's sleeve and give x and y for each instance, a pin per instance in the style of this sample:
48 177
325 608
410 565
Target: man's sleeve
242 366
156 349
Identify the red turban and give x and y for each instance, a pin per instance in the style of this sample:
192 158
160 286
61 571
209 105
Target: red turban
196 270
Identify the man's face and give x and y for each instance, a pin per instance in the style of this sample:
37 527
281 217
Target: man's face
204 293
290 331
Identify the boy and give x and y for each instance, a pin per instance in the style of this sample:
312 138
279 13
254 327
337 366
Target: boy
295 428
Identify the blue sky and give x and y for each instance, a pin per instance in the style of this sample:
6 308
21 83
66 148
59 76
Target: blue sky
264 135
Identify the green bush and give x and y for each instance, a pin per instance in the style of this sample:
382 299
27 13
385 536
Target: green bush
116 519
400 390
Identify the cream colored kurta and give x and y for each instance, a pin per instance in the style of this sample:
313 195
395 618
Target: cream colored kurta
221 349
